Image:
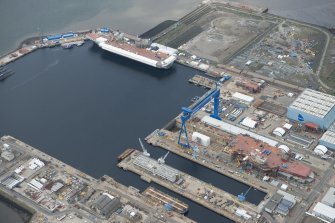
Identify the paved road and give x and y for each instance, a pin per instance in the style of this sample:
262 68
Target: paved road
297 218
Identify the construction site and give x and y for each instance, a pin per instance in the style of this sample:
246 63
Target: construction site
246 129
220 35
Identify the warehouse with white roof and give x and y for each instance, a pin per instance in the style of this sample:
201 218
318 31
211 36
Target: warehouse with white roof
313 106
328 138
324 211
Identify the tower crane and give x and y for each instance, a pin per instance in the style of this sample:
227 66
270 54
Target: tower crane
145 151
188 112
161 160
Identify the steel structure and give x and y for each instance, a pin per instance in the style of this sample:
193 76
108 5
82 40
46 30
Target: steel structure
242 197
187 113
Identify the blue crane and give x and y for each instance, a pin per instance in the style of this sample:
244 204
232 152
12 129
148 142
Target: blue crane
242 197
187 113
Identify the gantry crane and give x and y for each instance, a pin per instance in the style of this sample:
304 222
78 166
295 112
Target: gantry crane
187 113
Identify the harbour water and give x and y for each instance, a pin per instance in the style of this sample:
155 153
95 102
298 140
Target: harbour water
85 106
22 19
11 213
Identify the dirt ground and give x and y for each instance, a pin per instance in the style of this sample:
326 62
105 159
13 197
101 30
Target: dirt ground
225 35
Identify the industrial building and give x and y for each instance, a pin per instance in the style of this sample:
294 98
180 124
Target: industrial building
320 150
313 106
280 203
324 211
273 203
7 155
106 204
329 198
201 139
248 122
270 207
328 138
12 181
279 132
235 130
243 97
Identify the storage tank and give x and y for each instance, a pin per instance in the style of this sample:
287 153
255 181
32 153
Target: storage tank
200 138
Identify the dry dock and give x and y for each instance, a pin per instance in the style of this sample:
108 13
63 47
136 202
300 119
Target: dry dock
169 142
190 187
158 197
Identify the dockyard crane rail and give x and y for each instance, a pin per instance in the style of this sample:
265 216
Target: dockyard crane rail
187 113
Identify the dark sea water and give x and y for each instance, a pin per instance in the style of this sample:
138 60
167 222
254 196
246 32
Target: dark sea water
20 19
85 106
8 214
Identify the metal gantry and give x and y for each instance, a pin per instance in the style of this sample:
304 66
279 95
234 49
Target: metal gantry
187 113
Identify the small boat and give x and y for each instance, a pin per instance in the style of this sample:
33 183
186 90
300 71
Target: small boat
67 46
5 73
80 43
194 99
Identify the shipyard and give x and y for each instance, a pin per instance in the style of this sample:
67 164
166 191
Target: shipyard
264 120
59 192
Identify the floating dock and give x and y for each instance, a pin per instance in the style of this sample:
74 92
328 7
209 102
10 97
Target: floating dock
159 197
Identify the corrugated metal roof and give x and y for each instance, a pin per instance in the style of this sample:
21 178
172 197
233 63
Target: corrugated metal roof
314 103
329 198
232 129
332 127
324 210
243 97
249 122
329 137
